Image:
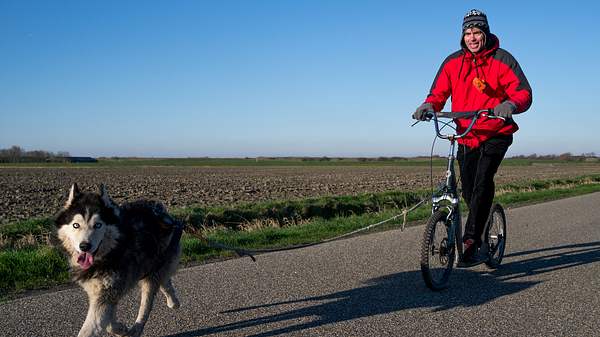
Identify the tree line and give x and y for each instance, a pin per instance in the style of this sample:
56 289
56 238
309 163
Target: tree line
17 154
567 156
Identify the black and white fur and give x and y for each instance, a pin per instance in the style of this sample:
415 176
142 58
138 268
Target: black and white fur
112 249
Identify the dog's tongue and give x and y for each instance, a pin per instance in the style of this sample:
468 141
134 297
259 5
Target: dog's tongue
85 260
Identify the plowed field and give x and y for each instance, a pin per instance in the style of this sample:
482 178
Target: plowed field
39 192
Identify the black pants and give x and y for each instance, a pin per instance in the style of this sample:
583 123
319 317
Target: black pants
477 169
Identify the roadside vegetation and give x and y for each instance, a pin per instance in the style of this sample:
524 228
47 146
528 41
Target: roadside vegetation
30 256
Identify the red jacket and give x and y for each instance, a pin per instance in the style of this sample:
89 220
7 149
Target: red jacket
504 80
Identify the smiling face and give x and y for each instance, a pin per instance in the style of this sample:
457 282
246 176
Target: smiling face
474 39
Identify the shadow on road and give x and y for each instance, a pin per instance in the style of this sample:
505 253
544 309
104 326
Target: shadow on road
406 290
545 260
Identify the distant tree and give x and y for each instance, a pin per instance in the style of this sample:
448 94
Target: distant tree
16 154
37 155
565 156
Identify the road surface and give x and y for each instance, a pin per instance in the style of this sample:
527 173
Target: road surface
548 285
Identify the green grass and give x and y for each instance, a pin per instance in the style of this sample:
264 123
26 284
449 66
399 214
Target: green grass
321 229
522 198
288 212
315 231
31 226
31 268
36 266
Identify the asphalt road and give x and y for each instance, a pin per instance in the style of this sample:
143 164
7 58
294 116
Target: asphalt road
548 285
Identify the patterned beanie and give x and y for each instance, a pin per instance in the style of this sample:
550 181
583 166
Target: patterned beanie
476 18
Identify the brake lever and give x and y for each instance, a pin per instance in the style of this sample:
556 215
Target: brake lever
418 121
487 115
429 115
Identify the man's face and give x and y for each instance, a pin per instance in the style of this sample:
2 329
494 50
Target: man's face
473 38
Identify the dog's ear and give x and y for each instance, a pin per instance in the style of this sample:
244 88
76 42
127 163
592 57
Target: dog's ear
73 193
108 202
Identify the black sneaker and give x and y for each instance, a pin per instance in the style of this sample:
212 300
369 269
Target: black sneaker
484 252
473 256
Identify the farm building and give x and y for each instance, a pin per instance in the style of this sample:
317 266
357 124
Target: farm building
81 159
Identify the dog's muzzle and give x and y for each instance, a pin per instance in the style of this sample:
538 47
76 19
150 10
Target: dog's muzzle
85 258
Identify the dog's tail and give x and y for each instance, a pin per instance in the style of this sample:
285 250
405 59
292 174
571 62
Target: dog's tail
168 223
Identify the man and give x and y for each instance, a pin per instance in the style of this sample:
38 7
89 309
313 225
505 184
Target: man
479 76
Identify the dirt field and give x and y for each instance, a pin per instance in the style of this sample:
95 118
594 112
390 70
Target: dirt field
38 192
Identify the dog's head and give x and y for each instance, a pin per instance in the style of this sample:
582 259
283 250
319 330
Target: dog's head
88 226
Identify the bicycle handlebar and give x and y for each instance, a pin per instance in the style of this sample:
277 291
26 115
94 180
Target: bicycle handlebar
489 113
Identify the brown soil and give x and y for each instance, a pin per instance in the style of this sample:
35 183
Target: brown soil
40 192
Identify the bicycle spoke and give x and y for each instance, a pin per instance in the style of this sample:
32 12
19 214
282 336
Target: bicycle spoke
496 236
437 257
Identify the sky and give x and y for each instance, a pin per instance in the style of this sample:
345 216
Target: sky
246 78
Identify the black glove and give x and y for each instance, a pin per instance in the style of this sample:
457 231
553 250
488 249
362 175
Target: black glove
505 109
421 112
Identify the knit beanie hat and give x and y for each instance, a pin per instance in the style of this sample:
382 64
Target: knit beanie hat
476 18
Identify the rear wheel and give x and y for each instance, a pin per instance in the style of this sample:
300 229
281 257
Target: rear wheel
496 236
437 254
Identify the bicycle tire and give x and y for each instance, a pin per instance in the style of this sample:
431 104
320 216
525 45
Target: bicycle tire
496 236
435 249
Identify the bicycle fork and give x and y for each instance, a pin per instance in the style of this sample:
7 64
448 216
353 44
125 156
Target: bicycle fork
450 194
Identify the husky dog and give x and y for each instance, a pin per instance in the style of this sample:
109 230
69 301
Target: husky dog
112 248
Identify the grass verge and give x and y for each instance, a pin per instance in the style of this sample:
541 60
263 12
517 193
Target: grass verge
31 268
28 261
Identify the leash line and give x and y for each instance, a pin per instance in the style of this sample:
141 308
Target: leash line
250 252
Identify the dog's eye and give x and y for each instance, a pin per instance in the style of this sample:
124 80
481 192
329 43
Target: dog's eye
75 225
97 225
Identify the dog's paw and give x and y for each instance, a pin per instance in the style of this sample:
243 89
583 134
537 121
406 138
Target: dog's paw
117 329
136 330
173 303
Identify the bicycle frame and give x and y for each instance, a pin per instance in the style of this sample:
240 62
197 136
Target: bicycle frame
448 192
442 247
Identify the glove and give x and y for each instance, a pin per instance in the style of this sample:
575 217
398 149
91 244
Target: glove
421 112
505 109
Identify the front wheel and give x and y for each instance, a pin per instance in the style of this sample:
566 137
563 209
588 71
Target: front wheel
437 254
496 236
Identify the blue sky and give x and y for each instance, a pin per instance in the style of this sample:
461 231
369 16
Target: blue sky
275 78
